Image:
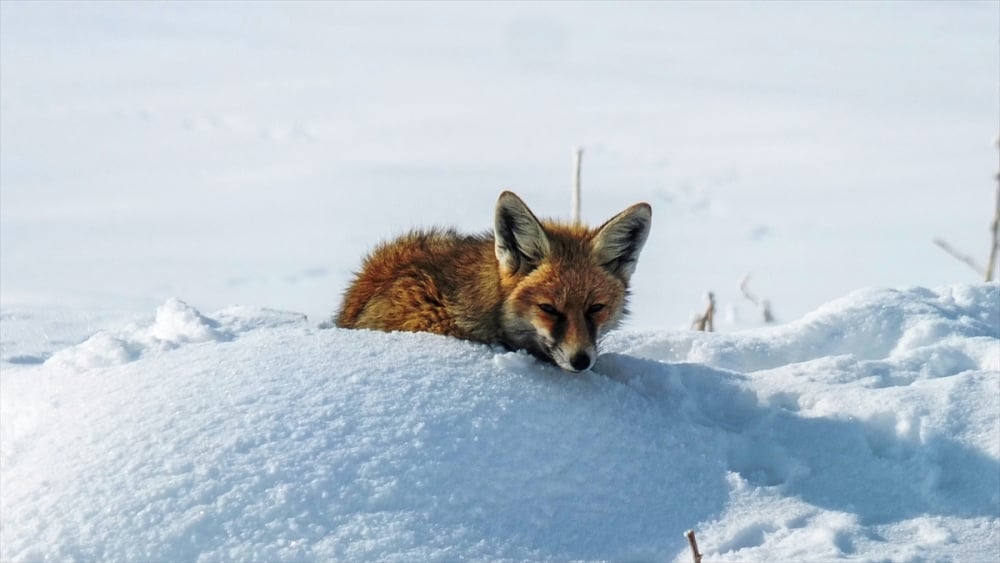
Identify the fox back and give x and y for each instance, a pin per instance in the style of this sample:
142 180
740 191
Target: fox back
550 288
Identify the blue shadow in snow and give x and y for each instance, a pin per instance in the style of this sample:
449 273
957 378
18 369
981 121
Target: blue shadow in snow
855 466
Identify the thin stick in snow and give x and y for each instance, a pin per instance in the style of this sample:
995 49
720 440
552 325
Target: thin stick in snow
705 322
995 228
964 258
991 262
576 186
694 546
763 304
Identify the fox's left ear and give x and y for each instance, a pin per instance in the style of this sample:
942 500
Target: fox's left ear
520 241
618 242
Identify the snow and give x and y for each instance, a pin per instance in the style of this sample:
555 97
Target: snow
869 429
185 190
250 154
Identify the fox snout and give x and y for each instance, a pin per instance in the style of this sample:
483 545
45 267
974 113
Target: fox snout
581 361
574 360
570 342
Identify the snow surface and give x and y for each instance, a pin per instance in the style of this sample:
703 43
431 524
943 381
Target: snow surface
868 430
244 156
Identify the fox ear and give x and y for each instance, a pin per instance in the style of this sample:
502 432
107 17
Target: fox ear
618 242
519 238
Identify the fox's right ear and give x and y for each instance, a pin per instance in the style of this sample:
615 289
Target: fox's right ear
519 239
618 242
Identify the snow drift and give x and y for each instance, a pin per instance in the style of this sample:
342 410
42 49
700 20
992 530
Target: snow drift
868 429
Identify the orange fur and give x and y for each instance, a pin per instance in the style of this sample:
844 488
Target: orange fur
492 287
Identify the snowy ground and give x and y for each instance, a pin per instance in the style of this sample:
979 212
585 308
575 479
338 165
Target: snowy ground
244 156
867 430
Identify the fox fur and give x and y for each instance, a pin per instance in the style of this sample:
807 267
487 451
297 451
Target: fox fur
550 288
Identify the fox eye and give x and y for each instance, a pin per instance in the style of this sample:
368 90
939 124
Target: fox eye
595 308
548 309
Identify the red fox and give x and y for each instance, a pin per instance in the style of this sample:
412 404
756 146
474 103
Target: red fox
550 288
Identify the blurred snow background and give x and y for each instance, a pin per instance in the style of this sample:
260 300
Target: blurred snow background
250 153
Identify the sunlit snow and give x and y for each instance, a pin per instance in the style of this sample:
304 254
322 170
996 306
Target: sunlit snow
868 429
186 188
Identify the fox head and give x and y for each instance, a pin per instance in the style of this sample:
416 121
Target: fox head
566 286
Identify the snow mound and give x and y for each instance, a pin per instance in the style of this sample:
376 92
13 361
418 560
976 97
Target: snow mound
867 430
923 332
175 325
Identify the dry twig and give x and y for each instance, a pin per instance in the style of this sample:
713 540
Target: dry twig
576 186
705 322
995 229
991 262
694 546
964 258
763 304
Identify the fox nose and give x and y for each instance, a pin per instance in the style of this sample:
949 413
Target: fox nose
580 361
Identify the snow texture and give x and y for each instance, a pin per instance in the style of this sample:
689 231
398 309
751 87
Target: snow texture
245 156
866 430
